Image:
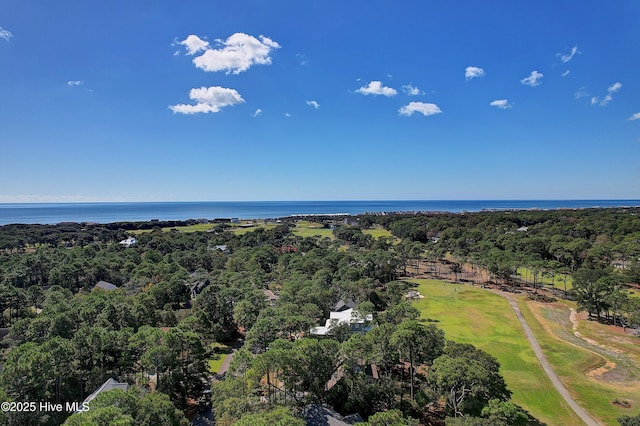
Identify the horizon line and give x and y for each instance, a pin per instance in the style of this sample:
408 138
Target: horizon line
313 201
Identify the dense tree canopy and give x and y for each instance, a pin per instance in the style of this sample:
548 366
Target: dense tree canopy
179 294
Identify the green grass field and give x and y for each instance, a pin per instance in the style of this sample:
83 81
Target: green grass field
220 352
215 363
243 227
303 228
473 315
377 232
237 228
306 229
574 359
557 282
200 227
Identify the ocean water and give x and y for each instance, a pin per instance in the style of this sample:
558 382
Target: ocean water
52 213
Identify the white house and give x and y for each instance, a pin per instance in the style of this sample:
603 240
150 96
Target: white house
351 317
128 242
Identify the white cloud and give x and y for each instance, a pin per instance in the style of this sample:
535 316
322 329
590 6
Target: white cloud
567 57
74 83
473 72
208 99
501 103
257 113
314 104
412 90
194 44
607 98
286 114
420 107
635 116
581 93
302 58
533 80
5 34
614 87
235 54
376 88
566 73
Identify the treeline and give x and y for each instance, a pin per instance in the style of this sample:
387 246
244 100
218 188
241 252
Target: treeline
558 239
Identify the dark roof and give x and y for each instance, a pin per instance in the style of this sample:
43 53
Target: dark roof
105 286
352 419
317 415
200 285
371 370
197 287
343 306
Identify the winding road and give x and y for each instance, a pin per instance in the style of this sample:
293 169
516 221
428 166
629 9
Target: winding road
586 418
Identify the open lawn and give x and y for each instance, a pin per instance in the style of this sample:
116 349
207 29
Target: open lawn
306 229
557 281
220 352
237 228
248 226
472 315
303 228
598 365
200 227
377 233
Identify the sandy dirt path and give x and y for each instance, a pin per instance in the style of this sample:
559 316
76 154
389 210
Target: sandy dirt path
586 418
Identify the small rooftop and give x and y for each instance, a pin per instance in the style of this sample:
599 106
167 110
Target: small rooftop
129 242
349 317
270 295
107 386
318 415
105 286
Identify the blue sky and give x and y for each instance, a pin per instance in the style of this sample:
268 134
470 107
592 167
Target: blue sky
318 100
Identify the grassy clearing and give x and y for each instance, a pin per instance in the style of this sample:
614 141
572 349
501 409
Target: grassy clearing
303 228
557 281
200 227
243 227
215 363
237 228
220 352
306 229
600 367
473 315
378 232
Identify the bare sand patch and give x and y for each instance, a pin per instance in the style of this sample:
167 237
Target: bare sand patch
573 317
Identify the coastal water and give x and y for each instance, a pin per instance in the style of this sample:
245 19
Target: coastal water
52 213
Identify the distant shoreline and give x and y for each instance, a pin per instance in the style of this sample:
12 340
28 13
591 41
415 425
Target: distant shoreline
54 213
